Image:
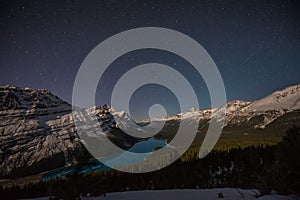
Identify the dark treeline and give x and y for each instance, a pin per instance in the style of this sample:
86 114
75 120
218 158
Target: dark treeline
262 167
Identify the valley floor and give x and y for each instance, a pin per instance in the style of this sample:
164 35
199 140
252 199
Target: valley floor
189 194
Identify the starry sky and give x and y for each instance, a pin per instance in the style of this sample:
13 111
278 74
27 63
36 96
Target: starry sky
255 44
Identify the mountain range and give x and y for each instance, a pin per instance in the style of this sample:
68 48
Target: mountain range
37 131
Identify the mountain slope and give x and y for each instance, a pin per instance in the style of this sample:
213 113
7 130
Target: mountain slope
247 123
37 131
286 99
27 134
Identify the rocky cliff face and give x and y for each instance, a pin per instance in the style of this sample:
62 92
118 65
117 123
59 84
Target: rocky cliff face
37 131
34 127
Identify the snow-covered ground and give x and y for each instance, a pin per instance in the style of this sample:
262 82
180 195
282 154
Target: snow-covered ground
189 194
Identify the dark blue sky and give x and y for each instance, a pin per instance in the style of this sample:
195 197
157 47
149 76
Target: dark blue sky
255 44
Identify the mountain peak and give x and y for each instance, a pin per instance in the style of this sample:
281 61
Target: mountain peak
286 99
13 97
234 105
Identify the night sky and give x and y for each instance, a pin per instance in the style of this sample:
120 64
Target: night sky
255 44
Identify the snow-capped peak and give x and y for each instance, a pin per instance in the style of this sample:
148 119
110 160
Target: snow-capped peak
234 105
286 99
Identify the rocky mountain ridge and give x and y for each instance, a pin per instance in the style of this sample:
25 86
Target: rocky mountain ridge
37 131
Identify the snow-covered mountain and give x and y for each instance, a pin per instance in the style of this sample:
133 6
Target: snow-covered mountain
34 126
287 99
37 131
268 109
273 114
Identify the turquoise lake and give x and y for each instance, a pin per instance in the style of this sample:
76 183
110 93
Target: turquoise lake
143 148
